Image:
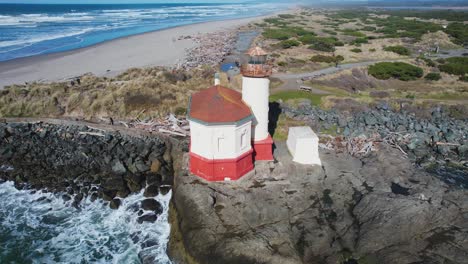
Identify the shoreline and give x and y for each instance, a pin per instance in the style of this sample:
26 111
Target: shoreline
155 48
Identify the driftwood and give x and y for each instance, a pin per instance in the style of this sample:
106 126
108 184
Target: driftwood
92 134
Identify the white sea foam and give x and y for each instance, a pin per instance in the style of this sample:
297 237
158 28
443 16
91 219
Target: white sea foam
93 233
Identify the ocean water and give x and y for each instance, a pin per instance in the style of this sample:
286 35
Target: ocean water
38 227
27 30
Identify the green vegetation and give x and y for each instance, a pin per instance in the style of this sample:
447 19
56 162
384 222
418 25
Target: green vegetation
398 70
372 50
356 50
433 76
429 62
455 65
354 33
282 63
315 99
327 59
398 50
286 44
326 44
286 16
369 28
463 78
395 27
331 32
449 15
285 33
459 32
359 41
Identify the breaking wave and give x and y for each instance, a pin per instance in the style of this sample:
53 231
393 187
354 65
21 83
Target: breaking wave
43 228
39 31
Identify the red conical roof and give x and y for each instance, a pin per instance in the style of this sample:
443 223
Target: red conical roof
257 51
218 104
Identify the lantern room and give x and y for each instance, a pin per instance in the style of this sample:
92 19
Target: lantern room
257 64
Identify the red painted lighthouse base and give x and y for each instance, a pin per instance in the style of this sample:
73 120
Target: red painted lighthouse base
263 150
220 170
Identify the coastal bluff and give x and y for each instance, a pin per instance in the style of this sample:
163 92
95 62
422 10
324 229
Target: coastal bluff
376 209
81 159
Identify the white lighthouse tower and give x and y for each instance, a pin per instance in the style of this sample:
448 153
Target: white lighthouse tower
255 93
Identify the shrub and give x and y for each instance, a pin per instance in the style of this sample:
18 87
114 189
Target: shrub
459 33
356 50
354 33
441 60
372 50
429 62
369 28
278 34
331 32
398 70
327 59
286 44
359 41
323 46
312 39
282 63
433 76
398 50
455 65
286 16
320 43
463 78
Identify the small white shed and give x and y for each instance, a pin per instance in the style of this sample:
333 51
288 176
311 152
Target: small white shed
303 145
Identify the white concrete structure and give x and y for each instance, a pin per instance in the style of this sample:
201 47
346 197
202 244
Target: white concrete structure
256 93
216 142
303 145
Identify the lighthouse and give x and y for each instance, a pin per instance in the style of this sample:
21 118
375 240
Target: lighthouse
228 129
255 93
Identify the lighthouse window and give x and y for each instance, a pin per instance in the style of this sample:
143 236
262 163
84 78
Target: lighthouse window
220 143
244 139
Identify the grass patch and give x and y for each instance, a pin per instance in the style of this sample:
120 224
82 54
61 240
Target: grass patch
315 99
282 127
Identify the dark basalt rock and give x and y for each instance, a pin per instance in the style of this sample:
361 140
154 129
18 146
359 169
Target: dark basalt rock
151 218
151 205
151 191
115 204
61 158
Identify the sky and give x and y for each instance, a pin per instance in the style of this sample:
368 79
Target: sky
129 1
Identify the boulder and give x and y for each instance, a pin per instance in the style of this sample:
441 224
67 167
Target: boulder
115 204
151 218
151 191
152 205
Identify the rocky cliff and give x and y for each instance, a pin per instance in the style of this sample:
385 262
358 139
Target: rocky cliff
377 209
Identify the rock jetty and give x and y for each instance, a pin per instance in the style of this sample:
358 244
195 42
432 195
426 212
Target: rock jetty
429 140
80 160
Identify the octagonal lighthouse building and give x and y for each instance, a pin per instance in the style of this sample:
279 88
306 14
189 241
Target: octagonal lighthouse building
228 129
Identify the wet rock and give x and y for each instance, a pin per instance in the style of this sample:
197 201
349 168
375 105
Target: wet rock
151 205
119 168
115 204
151 218
151 191
164 189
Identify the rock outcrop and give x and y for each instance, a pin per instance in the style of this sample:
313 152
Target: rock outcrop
82 160
377 209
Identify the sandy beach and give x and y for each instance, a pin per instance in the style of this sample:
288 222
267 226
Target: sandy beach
158 48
